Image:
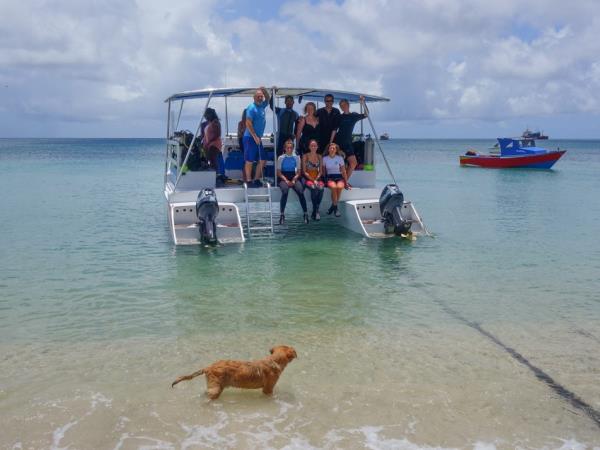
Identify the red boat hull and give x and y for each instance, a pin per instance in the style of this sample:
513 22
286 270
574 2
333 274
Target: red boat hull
543 161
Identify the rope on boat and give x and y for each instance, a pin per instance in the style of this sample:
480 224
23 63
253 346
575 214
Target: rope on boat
379 145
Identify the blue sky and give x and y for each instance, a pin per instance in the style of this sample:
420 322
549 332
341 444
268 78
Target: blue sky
452 68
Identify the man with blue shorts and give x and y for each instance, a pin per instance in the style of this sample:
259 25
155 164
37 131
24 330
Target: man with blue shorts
255 127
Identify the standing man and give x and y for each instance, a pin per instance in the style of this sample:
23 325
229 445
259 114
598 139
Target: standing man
343 135
286 122
255 127
328 123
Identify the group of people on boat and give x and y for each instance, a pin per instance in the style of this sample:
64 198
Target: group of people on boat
319 131
311 171
325 125
314 150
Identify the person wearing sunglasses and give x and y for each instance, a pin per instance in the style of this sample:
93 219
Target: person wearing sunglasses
329 117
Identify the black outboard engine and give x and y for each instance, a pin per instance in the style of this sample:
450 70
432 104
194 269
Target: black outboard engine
207 209
390 205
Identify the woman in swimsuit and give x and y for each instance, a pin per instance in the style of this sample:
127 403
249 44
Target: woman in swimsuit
307 128
337 180
289 171
312 164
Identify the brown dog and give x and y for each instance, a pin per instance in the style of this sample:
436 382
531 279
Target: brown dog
262 373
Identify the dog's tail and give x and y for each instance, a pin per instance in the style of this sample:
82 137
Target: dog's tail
187 377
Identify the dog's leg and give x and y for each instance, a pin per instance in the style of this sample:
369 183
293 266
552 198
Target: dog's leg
213 388
268 390
269 383
269 386
187 377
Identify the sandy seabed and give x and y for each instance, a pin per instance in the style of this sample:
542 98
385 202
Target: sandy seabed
423 387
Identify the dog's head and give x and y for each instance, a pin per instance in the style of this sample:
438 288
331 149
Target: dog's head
284 350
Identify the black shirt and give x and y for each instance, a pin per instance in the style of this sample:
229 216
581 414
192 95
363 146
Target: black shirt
328 121
346 124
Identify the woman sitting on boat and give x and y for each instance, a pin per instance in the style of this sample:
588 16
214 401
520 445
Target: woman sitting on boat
337 180
307 128
312 169
289 171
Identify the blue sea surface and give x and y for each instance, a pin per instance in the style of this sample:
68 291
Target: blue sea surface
87 254
87 260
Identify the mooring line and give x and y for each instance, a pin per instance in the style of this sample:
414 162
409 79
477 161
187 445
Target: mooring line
562 391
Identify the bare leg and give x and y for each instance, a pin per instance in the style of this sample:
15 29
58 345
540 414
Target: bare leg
351 165
259 170
335 195
248 171
268 388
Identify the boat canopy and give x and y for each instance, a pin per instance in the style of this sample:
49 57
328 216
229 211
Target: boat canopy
514 147
302 93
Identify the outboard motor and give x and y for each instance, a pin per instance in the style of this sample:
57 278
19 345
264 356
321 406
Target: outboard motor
390 205
207 209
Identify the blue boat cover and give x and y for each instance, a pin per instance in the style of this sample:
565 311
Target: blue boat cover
515 147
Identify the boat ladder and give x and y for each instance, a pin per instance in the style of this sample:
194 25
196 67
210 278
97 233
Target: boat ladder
259 212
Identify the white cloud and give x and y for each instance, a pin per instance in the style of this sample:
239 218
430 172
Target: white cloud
77 61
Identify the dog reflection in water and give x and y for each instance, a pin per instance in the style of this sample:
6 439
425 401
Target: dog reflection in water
260 374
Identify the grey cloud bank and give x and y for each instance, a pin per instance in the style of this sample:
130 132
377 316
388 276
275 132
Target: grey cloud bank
453 68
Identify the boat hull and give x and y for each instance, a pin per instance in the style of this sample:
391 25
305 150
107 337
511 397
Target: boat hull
541 161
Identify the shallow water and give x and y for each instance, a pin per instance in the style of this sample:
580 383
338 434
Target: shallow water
99 312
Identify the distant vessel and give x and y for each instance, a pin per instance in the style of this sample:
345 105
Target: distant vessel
528 134
384 137
514 153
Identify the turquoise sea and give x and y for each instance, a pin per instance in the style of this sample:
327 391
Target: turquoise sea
486 336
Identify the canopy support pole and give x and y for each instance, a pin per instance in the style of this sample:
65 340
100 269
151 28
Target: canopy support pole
376 136
180 171
226 119
168 137
275 133
362 111
179 115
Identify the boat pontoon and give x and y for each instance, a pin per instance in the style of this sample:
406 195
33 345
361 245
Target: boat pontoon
200 210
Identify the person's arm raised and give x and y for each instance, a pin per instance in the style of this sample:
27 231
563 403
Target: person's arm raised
266 93
366 111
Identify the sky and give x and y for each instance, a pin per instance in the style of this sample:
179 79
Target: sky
452 68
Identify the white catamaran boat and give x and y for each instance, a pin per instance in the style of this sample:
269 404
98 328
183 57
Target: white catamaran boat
199 211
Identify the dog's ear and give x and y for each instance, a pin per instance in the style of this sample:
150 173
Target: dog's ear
272 350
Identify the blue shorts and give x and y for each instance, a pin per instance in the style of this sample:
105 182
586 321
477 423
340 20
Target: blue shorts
253 152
